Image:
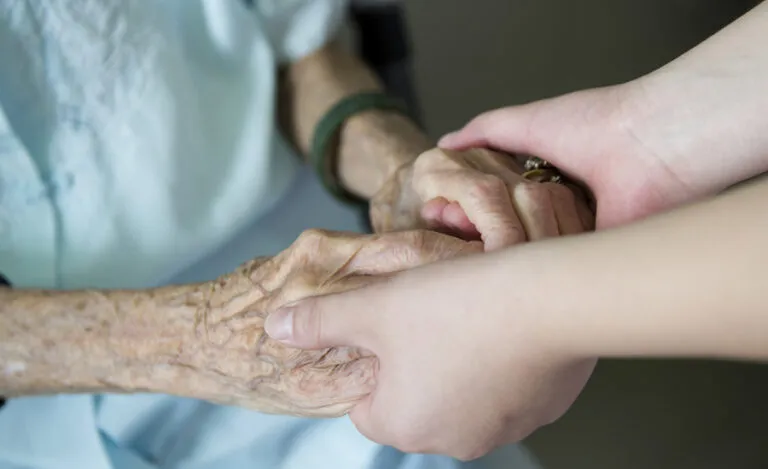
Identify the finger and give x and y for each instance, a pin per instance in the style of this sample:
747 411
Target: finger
455 218
394 252
564 203
502 165
432 211
449 218
585 206
551 129
534 206
323 321
510 129
484 199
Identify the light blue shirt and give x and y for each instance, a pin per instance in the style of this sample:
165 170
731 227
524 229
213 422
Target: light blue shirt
138 144
137 136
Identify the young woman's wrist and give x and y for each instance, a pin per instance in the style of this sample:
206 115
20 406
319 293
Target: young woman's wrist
702 141
669 286
703 114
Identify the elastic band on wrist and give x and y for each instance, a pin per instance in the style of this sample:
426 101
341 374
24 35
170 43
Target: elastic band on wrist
324 148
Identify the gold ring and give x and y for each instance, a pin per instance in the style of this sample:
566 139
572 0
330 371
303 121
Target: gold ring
539 170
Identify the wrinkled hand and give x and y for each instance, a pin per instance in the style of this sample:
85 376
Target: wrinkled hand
587 135
461 370
236 363
642 147
477 195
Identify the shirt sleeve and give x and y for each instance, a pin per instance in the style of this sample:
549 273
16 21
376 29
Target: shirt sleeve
297 28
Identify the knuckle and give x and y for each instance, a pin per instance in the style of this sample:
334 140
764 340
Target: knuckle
561 192
488 187
428 160
427 181
425 247
511 232
311 237
415 241
532 191
436 159
411 247
532 196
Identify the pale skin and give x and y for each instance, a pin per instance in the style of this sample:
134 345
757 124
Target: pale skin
686 279
207 340
665 287
687 130
385 157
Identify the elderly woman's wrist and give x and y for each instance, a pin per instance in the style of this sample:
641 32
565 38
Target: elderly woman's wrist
373 146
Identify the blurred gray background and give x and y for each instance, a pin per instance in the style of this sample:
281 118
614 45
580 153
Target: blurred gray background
471 56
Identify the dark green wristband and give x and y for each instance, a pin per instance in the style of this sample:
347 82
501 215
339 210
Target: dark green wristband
324 149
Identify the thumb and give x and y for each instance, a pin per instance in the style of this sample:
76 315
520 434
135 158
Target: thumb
509 129
321 321
558 129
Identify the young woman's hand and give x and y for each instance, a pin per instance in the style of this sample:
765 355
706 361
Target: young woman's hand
479 351
458 374
478 194
687 130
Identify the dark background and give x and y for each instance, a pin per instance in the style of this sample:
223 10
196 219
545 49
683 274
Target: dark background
475 55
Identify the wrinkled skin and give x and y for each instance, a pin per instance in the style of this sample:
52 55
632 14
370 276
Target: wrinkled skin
320 383
207 340
329 382
478 194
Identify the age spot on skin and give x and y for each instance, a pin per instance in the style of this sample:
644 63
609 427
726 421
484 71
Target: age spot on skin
14 368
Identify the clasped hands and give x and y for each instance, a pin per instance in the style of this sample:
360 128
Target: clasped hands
465 363
432 366
457 372
477 194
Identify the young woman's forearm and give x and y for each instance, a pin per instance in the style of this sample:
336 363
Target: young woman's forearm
690 283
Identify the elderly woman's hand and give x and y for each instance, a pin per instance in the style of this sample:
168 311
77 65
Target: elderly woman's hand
477 194
466 362
206 340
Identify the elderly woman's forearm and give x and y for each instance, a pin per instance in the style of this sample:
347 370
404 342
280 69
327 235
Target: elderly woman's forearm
203 341
207 340
82 341
373 144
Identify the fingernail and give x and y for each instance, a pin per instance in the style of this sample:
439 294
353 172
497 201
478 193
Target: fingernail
279 325
447 139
